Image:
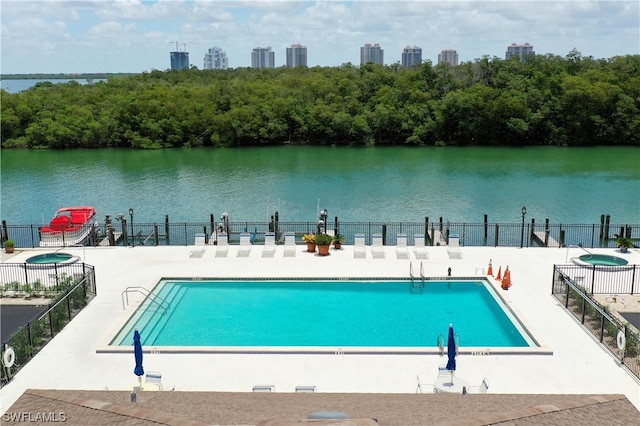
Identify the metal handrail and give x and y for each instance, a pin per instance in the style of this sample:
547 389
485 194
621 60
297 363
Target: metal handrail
162 303
413 284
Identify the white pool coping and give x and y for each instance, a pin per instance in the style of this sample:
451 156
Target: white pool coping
72 360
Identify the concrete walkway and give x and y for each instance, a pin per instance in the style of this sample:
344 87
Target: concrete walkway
578 365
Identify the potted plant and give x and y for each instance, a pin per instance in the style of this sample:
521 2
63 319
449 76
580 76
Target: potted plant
624 244
310 239
8 246
338 240
323 241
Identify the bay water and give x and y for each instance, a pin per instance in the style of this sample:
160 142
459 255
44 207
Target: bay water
566 185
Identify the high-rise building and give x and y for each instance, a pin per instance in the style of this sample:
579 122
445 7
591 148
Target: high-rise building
216 59
263 57
411 56
297 56
519 50
179 60
371 53
449 56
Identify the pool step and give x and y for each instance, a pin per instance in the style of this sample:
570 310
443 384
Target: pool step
156 325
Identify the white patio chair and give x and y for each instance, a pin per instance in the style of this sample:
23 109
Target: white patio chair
359 248
223 244
264 388
303 388
429 387
245 244
153 378
483 388
419 249
402 252
269 248
289 244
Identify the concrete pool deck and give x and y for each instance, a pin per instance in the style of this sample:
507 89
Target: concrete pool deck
578 364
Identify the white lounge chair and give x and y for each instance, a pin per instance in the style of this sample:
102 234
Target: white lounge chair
223 244
453 249
153 378
402 252
245 244
199 247
289 244
377 249
359 248
269 248
483 388
419 250
305 388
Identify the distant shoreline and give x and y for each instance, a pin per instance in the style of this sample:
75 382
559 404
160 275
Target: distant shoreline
78 76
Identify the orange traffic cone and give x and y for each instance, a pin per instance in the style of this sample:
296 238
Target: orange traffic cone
506 280
499 276
490 270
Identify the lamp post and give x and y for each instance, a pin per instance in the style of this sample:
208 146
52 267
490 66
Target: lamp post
322 224
524 212
133 239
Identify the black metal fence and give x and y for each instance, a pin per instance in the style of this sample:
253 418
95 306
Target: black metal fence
71 287
595 279
435 233
616 335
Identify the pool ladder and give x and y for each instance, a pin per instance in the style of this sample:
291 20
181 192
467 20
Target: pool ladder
162 303
416 287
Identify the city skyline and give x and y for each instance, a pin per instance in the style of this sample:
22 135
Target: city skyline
135 36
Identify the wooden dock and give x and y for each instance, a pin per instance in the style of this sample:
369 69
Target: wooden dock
117 237
539 236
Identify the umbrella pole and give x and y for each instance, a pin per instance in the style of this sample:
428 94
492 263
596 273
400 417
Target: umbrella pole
451 377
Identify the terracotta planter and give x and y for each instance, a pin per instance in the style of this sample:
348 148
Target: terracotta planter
311 247
324 250
8 249
337 246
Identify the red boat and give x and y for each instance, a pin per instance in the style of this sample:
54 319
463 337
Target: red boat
70 226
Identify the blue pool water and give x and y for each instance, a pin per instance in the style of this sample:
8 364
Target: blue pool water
322 313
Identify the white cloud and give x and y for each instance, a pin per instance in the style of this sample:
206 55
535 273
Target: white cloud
333 31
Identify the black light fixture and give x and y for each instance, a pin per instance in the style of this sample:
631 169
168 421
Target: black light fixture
524 212
133 240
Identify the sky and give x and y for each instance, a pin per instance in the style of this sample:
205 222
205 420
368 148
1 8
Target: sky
133 36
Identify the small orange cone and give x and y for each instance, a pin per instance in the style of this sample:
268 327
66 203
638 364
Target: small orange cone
490 270
506 280
499 276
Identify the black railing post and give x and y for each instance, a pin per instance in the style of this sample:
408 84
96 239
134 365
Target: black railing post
5 232
155 235
51 323
546 232
495 244
486 228
166 229
30 339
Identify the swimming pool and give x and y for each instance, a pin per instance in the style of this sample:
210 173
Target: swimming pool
321 313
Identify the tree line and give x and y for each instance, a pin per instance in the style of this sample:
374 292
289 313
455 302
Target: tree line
546 100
